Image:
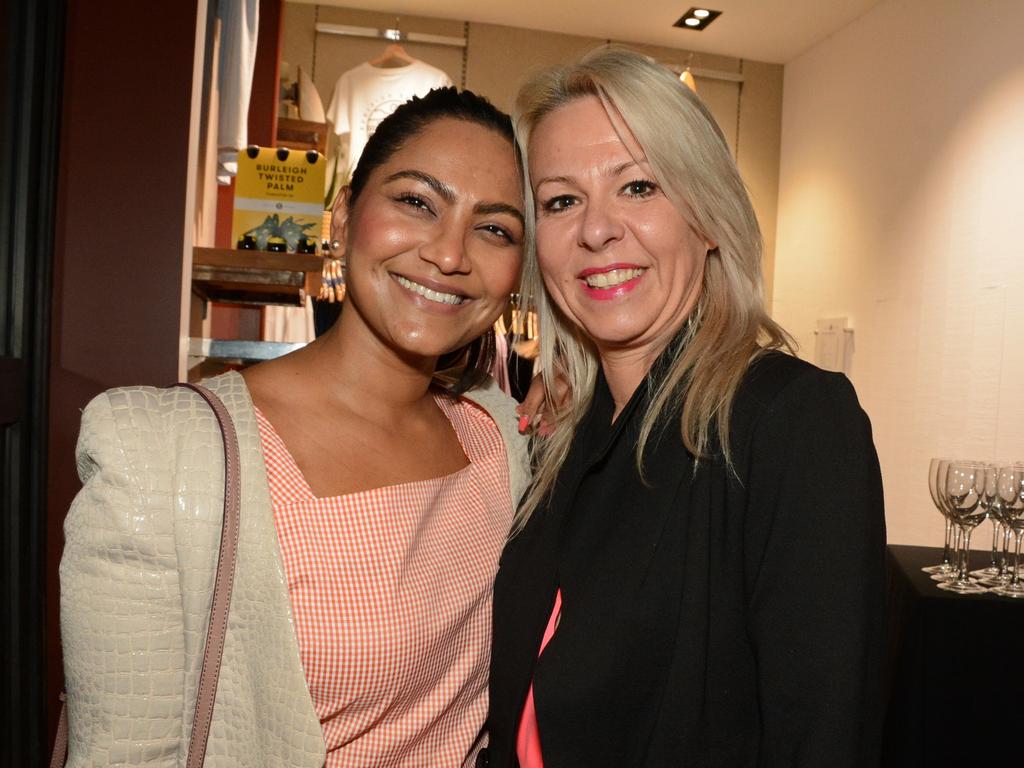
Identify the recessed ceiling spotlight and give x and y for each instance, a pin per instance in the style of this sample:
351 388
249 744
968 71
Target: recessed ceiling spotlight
697 18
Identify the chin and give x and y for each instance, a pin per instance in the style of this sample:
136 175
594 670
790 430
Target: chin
614 336
416 345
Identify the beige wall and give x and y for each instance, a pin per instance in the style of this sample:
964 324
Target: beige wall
900 207
497 58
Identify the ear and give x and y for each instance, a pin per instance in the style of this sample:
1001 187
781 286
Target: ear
339 220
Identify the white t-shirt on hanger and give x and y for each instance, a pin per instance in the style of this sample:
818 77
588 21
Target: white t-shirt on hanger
365 95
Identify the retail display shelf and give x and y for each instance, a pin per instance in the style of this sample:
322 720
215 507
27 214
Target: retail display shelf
253 277
238 351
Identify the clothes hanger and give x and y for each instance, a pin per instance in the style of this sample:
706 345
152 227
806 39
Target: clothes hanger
394 55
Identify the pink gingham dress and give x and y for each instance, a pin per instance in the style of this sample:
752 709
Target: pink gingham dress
391 595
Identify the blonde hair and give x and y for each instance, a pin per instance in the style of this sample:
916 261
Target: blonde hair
728 327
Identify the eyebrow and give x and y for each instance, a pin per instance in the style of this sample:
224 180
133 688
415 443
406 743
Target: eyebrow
443 190
623 166
555 180
448 194
487 209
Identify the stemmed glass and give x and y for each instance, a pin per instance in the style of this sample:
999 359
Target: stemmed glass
965 486
1004 572
988 502
937 469
1010 490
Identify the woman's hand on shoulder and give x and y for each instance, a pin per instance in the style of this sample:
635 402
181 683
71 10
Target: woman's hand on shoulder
537 413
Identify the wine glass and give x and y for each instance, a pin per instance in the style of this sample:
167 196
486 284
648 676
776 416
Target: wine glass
1010 489
988 499
1005 571
965 485
936 481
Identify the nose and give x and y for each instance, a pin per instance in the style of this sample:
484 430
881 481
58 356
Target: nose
599 226
446 250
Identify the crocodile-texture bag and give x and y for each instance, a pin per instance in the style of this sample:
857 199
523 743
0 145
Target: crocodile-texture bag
223 582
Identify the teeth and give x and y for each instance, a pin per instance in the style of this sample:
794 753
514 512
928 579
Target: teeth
612 278
427 293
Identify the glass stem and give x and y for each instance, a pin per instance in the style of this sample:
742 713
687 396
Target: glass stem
957 553
945 548
1004 566
995 544
965 553
1016 559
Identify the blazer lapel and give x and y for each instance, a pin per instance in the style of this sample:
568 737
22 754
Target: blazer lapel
260 627
686 504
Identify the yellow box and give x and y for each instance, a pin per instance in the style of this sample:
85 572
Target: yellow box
279 192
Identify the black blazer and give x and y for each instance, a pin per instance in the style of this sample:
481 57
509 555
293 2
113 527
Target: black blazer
709 619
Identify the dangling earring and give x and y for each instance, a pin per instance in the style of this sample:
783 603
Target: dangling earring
332 274
517 316
532 323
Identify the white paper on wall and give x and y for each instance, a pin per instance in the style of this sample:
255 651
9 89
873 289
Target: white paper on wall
833 345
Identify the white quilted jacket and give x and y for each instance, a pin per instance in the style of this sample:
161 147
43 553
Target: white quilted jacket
136 577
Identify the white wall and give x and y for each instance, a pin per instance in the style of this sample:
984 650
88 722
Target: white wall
901 206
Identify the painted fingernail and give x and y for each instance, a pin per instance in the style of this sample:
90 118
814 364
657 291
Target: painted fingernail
524 422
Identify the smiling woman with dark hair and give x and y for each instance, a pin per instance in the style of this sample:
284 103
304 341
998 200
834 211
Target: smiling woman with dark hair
376 496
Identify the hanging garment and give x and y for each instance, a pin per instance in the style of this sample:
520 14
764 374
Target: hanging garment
311 106
290 324
365 95
239 30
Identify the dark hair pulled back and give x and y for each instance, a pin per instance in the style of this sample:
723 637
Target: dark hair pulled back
413 116
467 367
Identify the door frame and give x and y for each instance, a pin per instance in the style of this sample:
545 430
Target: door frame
31 85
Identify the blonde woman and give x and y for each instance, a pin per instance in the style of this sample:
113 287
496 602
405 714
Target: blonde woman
697 576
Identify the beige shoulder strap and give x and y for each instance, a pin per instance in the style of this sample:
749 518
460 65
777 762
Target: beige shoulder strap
223 582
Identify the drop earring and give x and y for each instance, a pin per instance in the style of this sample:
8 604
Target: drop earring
332 274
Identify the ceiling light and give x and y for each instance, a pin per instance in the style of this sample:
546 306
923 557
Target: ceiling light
697 19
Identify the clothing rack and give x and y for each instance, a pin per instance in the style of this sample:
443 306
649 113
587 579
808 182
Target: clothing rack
394 35
717 74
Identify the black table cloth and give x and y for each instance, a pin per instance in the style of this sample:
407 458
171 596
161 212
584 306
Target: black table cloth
955 670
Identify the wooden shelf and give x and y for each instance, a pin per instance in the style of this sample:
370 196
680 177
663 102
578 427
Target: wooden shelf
301 134
258 278
239 351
